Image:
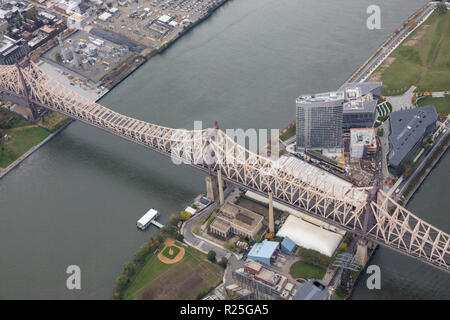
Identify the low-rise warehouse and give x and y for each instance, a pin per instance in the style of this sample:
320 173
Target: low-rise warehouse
287 245
264 252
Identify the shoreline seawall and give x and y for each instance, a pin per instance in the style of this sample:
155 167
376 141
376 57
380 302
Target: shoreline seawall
30 151
124 76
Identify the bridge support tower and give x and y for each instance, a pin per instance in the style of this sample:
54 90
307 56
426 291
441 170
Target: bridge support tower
211 188
30 105
271 223
361 251
220 181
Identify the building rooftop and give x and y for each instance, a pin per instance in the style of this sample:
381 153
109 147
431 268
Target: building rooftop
240 216
321 97
361 105
221 225
288 243
363 136
263 249
407 128
253 265
313 289
317 177
359 88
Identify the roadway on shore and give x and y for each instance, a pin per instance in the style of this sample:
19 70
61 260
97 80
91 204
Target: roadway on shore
390 47
206 245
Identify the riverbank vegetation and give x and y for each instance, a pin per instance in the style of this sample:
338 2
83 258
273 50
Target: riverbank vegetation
18 135
418 177
147 277
421 60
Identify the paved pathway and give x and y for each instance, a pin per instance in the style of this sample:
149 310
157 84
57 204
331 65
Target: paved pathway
439 94
206 245
391 46
402 101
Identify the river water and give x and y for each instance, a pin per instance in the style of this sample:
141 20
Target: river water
76 200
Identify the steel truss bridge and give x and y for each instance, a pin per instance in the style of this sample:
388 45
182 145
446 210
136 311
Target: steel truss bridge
366 212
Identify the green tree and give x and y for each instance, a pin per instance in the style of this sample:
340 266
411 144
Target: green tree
117 296
159 238
407 170
212 256
184 215
154 245
141 254
129 269
174 219
441 8
179 236
223 262
121 283
170 229
58 57
314 257
31 14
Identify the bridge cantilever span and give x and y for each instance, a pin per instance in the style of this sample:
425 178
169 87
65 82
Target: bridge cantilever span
378 217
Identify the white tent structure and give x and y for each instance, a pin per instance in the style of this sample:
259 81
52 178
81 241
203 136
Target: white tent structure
309 236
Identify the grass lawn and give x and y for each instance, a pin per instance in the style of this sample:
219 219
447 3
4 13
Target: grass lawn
421 60
442 105
338 297
166 252
182 280
53 121
21 140
302 269
13 119
289 133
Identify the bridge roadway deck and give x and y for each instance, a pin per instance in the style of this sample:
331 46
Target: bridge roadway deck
400 231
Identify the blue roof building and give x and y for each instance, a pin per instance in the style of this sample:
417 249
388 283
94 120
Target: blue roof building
287 245
264 252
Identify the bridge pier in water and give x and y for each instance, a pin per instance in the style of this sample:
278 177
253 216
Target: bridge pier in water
417 238
211 188
361 251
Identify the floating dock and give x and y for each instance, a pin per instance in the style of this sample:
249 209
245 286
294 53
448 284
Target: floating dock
149 218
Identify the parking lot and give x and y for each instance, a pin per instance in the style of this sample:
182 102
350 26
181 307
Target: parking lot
153 22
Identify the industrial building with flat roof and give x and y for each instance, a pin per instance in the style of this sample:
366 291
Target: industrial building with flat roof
363 142
263 283
234 219
264 252
288 246
408 130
